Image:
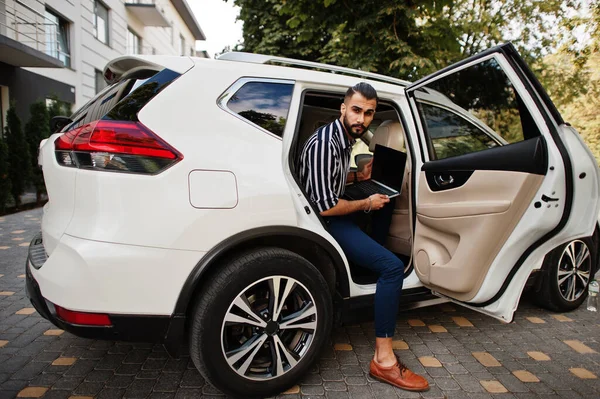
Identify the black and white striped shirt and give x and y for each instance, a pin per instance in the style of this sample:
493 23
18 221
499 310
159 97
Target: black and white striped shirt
324 165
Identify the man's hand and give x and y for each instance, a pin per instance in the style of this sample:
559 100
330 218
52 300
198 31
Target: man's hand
378 201
366 172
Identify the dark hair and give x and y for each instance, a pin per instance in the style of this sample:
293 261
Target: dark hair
365 89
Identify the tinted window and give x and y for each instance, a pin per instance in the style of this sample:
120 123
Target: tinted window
452 135
124 99
263 103
485 92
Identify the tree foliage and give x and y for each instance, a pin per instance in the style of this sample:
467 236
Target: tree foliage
4 175
559 39
406 39
18 154
58 107
37 129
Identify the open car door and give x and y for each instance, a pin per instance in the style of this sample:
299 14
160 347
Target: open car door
503 180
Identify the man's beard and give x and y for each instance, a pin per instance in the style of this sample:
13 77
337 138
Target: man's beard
349 127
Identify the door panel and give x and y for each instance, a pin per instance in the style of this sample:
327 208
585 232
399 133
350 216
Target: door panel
494 199
529 156
460 231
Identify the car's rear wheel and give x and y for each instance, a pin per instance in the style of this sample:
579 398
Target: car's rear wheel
569 271
260 323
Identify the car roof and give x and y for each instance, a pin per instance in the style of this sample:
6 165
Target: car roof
315 66
258 65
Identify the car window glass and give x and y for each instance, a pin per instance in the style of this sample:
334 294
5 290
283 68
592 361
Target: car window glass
104 101
264 103
452 135
482 91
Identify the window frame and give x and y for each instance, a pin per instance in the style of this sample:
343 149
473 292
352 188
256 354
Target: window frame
181 45
138 48
227 94
98 74
98 3
518 86
62 23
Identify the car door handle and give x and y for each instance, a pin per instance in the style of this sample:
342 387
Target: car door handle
545 198
440 181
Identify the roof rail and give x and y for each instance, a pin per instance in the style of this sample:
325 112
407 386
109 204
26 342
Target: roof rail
270 59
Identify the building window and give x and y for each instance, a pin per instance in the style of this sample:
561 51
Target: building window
181 45
100 82
101 22
57 38
265 104
134 43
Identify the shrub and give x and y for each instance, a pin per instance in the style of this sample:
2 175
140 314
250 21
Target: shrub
18 155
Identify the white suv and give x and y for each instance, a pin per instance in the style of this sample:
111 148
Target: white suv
175 213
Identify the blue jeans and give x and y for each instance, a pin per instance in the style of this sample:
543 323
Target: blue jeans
367 252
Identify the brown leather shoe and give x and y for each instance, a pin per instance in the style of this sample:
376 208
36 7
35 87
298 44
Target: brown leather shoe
400 376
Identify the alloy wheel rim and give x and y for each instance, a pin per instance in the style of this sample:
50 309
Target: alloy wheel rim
268 328
574 269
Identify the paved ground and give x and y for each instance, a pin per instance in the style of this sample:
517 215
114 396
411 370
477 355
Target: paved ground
464 354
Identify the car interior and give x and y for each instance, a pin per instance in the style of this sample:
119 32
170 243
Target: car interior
319 109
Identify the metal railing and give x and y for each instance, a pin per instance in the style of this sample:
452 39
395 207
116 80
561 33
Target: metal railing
20 22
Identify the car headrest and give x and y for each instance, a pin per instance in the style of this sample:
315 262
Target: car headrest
389 134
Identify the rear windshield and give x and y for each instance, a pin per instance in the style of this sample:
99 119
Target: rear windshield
106 100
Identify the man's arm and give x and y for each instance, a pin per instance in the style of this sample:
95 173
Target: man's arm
365 174
344 207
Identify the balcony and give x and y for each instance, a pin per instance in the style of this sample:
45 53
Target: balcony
28 38
148 12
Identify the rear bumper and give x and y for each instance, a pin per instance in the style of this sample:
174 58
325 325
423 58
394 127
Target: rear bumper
153 329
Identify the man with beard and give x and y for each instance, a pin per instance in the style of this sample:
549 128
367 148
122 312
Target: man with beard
324 171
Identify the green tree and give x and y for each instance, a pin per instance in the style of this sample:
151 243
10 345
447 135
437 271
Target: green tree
18 155
37 129
4 175
406 39
58 107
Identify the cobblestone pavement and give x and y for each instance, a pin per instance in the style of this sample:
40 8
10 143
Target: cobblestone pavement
463 354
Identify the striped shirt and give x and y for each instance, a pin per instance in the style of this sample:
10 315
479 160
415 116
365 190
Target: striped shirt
324 165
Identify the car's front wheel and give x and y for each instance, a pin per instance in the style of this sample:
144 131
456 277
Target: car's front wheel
260 323
569 270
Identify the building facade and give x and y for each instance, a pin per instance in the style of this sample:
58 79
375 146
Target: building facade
58 48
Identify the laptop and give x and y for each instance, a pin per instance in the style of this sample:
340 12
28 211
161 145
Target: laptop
386 176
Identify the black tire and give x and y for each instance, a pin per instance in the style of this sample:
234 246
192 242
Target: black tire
557 297
209 336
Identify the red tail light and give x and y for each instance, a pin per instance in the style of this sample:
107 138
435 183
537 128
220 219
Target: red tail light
120 146
81 318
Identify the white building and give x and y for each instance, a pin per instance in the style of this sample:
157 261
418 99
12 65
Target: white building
59 47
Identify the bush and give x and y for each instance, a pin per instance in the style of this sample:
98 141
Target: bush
18 155
58 107
37 129
4 177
